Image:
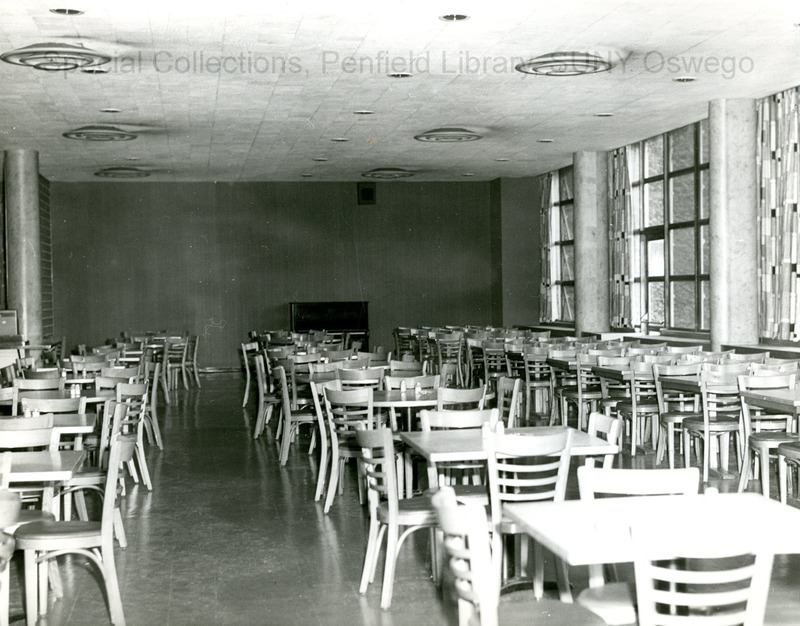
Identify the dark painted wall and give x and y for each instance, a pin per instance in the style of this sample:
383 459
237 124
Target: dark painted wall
222 259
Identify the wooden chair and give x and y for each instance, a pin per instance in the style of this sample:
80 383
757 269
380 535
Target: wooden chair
642 407
42 372
525 468
788 455
469 558
124 373
389 516
674 407
509 400
607 428
721 406
39 384
357 379
538 383
249 350
450 351
173 362
53 405
614 602
9 396
586 394
494 363
291 419
322 439
133 426
191 366
764 432
405 367
696 574
266 401
43 541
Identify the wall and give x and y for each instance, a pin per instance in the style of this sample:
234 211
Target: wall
222 259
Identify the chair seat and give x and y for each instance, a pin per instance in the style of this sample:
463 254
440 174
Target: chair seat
589 393
518 608
770 439
643 405
29 516
790 450
48 535
417 511
718 424
613 602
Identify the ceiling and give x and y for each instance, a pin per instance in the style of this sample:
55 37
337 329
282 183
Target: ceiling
287 89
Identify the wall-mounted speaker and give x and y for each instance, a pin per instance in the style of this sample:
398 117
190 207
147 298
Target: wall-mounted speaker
366 193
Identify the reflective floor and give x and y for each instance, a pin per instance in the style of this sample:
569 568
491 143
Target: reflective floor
227 536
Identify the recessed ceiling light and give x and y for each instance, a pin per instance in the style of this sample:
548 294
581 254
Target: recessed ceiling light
340 139
564 64
400 75
110 110
468 174
96 70
55 57
502 159
306 175
131 158
66 11
544 140
122 172
319 159
454 17
604 115
100 132
448 135
364 112
387 173
684 79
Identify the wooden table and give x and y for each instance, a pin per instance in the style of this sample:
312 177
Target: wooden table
595 532
47 468
78 424
438 446
782 401
93 396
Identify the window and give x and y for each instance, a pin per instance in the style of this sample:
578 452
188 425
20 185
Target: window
669 202
562 247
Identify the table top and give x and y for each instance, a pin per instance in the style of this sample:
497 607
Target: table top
467 445
397 399
613 372
778 399
74 423
93 396
569 365
585 532
44 466
688 384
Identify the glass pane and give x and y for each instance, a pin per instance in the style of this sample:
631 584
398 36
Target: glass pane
655 257
704 141
681 148
568 303
705 304
567 262
705 250
655 303
705 206
634 164
565 183
683 304
682 198
654 203
654 156
567 220
682 251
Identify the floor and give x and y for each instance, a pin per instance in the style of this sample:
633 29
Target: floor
227 536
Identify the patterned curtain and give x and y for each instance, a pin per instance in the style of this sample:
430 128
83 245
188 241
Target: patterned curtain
545 294
778 165
621 237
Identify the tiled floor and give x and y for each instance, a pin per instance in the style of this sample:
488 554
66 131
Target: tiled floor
229 537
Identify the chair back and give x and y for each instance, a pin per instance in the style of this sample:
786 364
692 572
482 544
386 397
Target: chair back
405 366
125 373
696 574
42 372
425 382
9 396
349 409
53 405
378 458
449 398
453 420
39 384
354 379
594 481
18 433
509 400
769 382
607 428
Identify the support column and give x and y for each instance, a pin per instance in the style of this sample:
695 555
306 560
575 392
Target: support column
733 130
592 300
21 173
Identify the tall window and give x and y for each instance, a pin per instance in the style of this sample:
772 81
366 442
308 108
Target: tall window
562 247
669 202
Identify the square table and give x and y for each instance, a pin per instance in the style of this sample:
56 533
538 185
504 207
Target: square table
46 467
439 446
782 401
596 532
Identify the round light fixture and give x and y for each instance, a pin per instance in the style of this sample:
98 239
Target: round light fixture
122 172
306 175
544 141
319 159
400 75
502 159
55 57
684 79
448 135
364 112
67 11
96 70
100 132
454 17
340 139
110 110
564 64
387 173
604 115
468 174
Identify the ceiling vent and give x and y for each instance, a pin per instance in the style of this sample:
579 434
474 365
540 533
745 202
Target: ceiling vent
448 135
122 172
55 57
100 132
564 64
388 173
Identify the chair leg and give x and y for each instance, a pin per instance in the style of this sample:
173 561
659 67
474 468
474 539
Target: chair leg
323 470
390 561
112 587
334 480
782 478
31 588
142 462
764 454
246 387
152 419
5 580
119 529
744 475
370 557
286 440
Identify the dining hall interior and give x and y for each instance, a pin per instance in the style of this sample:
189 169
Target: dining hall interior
601 188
